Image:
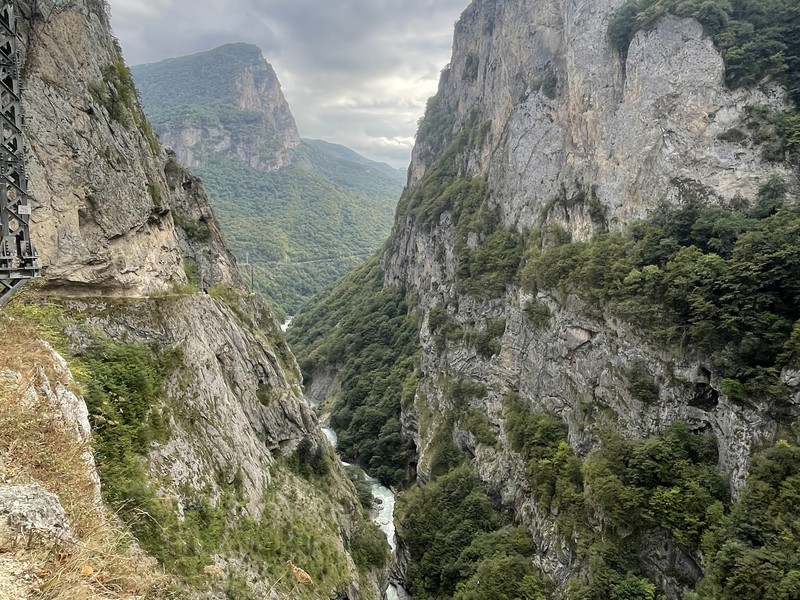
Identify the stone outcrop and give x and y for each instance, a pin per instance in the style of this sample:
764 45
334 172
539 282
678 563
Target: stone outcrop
29 509
94 181
570 116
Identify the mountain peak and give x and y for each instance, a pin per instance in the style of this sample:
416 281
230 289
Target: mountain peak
241 49
192 112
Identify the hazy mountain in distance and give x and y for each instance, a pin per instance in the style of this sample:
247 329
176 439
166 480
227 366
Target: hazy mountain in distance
302 212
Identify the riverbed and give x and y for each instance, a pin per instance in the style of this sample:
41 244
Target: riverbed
384 501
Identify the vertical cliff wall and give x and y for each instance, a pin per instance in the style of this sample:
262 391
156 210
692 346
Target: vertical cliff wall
568 138
578 136
542 152
204 442
568 113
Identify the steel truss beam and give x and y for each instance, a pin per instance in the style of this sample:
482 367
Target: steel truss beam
18 259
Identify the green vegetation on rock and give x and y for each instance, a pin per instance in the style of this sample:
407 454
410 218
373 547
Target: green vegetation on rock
608 508
756 38
488 253
366 334
754 550
706 278
130 391
720 280
117 94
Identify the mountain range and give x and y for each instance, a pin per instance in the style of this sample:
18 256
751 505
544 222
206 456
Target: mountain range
300 212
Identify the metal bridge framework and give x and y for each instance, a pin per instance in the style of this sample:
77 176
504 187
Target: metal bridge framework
18 260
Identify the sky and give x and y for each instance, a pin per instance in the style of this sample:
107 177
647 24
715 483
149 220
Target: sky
355 72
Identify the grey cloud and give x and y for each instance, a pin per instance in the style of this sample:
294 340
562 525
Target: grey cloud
323 51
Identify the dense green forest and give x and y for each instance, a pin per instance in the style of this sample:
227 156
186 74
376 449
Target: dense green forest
303 226
370 337
719 280
198 80
344 153
462 547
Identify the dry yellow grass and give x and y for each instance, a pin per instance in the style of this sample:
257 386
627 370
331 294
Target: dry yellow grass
35 447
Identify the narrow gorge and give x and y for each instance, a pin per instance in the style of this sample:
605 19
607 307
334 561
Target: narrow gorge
575 360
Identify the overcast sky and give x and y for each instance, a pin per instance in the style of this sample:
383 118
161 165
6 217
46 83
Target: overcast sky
355 72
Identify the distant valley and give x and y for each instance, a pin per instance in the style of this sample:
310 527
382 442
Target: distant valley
301 212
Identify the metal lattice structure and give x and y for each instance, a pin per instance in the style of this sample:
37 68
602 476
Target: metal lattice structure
18 260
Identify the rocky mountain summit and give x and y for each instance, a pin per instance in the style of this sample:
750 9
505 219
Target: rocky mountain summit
597 230
255 123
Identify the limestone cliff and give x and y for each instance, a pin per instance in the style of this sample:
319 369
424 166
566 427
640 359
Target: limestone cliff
198 417
569 119
256 125
96 225
542 133
568 114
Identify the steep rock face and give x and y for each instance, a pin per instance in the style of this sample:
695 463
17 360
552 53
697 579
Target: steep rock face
221 426
130 244
269 134
569 122
95 225
569 116
579 368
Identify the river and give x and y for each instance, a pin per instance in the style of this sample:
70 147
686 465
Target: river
385 503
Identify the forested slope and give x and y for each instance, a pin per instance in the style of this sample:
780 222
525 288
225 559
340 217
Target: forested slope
303 213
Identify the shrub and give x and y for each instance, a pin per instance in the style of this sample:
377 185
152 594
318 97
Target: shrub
196 231
310 460
538 313
368 547
478 424
716 279
117 94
